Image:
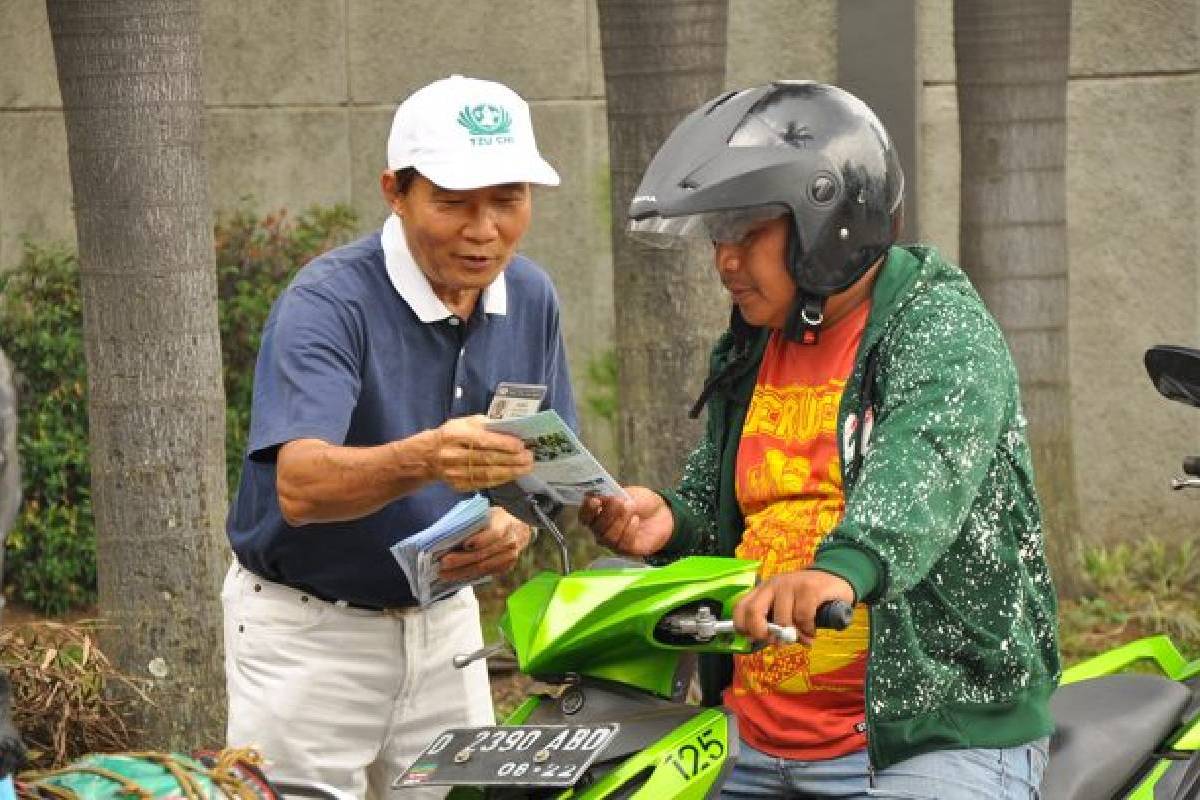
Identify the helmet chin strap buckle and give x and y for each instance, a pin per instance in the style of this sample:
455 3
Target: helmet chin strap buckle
805 318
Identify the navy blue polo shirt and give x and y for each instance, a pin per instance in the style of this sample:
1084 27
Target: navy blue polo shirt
347 358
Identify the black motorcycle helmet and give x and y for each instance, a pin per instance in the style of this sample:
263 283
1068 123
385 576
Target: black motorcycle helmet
806 149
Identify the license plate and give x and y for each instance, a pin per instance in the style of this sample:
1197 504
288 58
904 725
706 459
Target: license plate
511 755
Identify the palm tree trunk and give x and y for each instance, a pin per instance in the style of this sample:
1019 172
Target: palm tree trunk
1012 98
131 82
661 60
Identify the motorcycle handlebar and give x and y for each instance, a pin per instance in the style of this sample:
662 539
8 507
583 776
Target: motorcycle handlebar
835 615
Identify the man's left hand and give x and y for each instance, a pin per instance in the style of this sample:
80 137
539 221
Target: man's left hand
491 551
791 598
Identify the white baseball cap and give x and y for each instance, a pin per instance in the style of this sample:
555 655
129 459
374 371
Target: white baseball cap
464 133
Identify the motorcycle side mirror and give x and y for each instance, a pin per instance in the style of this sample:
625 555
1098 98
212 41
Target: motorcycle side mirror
1175 372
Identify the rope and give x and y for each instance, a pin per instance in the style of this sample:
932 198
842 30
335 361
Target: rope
223 774
224 771
28 780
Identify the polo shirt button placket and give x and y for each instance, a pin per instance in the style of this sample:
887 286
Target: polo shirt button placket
457 399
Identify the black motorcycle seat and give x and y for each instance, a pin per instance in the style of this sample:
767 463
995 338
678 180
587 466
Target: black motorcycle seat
1104 730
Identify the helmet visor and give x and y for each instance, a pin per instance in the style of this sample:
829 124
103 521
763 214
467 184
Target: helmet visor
729 226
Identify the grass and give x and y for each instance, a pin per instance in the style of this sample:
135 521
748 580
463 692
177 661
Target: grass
1136 589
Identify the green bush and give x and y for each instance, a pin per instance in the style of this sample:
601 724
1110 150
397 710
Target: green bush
51 551
601 394
256 258
51 560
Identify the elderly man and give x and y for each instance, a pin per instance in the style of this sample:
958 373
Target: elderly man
374 368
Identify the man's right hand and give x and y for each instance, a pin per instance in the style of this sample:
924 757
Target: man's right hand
640 526
468 456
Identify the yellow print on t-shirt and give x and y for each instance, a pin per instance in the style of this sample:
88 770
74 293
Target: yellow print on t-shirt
780 476
783 536
794 414
797 669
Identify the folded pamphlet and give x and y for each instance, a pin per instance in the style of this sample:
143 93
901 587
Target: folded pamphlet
418 555
563 469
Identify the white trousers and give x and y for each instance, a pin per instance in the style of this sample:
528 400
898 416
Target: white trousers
345 696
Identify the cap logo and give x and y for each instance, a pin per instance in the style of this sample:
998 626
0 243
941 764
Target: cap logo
485 122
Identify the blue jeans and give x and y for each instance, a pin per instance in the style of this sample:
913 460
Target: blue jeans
1012 773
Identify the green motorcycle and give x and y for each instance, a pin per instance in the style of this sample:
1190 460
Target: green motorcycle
615 643
1134 736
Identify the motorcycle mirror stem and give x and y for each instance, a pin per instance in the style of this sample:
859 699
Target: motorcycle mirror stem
463 660
546 522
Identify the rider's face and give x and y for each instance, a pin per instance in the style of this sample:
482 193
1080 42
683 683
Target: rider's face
754 270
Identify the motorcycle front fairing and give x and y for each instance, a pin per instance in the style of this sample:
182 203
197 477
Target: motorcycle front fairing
605 623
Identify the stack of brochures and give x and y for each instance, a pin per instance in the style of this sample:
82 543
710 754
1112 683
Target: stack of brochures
418 555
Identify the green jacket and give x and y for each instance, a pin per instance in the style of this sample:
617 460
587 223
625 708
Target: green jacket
942 534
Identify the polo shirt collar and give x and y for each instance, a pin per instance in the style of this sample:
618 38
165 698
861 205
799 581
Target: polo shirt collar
412 285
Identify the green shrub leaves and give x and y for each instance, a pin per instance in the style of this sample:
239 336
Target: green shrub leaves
51 563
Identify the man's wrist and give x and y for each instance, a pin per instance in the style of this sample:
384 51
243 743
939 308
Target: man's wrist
417 455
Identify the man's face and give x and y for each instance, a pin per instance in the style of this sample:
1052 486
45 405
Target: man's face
462 239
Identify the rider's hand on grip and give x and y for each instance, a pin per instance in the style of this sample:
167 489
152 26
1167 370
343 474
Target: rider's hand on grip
795 599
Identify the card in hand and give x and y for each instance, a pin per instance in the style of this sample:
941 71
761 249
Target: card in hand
516 400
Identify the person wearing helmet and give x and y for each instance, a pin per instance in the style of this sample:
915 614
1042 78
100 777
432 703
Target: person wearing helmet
865 442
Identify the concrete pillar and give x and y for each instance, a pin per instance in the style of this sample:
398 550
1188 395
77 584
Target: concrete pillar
878 60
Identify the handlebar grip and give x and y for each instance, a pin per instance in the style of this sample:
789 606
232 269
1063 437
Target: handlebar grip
835 615
1191 466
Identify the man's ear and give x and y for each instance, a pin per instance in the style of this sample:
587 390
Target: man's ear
390 186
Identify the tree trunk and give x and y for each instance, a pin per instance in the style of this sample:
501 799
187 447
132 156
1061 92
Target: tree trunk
661 59
132 89
1012 99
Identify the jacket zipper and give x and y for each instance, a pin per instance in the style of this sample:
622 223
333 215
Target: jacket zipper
872 753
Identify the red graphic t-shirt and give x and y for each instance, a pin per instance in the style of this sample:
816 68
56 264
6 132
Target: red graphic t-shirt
793 701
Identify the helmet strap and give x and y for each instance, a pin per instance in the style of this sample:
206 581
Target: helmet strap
805 318
808 310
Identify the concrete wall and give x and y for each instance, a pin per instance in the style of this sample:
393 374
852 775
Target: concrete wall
1133 185
300 94
1133 194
